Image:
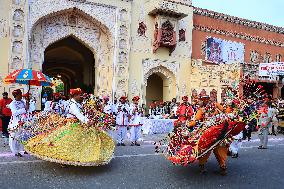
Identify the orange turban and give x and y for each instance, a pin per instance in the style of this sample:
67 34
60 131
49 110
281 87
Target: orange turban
77 91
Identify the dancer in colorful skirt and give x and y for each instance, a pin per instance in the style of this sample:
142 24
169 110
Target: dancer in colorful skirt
77 139
211 129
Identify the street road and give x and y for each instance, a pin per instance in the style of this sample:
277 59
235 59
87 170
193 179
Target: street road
140 167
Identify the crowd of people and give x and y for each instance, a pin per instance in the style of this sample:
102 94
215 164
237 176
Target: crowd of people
120 116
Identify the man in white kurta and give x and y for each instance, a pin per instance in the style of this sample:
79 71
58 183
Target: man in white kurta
135 121
19 110
75 107
122 121
236 145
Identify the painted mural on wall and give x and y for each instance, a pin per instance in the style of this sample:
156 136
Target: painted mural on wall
223 51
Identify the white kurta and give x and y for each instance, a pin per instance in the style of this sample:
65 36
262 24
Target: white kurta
66 106
108 108
75 111
122 121
236 144
18 109
48 106
135 123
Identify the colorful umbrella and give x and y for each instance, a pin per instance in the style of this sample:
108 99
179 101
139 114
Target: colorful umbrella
28 77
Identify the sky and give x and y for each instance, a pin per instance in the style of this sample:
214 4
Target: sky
266 11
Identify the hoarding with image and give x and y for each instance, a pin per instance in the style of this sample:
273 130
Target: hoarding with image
222 51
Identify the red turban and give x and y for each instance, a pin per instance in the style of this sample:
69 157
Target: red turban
26 95
56 95
77 91
185 98
16 92
136 98
106 97
152 105
123 98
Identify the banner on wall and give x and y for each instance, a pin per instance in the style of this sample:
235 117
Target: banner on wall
271 69
222 51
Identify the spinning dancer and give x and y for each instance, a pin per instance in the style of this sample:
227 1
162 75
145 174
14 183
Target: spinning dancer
77 139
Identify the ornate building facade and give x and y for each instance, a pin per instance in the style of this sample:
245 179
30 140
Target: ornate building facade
150 48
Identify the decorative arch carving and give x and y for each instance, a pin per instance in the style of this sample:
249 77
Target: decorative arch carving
162 70
57 27
149 64
84 29
105 14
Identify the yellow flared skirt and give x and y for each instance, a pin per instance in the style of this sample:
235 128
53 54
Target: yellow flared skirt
73 144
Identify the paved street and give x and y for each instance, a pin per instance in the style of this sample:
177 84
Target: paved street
140 167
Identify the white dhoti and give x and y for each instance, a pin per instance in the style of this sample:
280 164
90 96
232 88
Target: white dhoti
19 114
135 132
121 133
15 146
236 144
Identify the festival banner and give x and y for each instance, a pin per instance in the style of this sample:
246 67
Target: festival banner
222 51
271 69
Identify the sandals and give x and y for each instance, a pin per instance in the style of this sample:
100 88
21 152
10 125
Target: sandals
261 147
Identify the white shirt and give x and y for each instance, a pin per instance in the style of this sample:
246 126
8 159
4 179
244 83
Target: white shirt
108 108
122 114
114 108
135 115
18 109
47 106
75 111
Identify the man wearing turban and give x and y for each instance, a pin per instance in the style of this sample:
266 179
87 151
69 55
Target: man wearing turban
18 108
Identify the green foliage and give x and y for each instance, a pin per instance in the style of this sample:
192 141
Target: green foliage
59 88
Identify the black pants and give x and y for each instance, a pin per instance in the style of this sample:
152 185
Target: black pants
5 123
247 133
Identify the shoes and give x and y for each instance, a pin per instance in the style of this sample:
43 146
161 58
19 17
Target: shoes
229 153
235 155
223 171
261 147
26 152
122 144
202 169
18 155
118 144
249 138
137 144
132 144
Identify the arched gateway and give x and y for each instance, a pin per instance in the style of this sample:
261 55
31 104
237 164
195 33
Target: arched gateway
74 45
55 27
